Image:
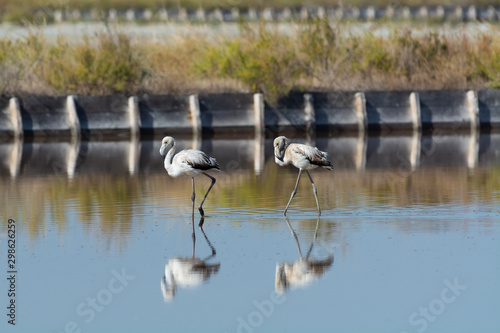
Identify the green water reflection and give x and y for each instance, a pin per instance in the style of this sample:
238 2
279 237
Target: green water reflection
107 183
108 202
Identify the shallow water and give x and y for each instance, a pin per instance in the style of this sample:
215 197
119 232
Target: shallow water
408 240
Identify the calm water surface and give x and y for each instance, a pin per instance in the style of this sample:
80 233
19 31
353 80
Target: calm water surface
409 238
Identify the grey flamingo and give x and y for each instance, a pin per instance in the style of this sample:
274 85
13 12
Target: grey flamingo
304 271
302 157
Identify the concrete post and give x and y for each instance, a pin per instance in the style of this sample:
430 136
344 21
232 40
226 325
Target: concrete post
355 13
112 15
360 109
252 14
134 153
440 12
423 13
473 107
200 14
415 150
147 14
15 117
130 15
370 13
258 108
389 12
258 153
73 116
194 110
406 13
133 113
217 15
235 14
472 13
360 154
415 111
473 150
163 14
182 15
491 13
304 14
310 115
267 14
15 157
459 13
72 158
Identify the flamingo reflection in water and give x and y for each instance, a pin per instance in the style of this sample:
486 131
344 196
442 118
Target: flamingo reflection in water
303 271
189 272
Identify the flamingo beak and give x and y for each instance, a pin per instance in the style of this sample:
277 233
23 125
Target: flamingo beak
280 282
278 152
163 149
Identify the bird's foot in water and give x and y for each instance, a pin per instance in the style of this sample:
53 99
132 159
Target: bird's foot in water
201 211
202 220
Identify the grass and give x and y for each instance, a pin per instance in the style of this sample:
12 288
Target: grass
104 65
318 56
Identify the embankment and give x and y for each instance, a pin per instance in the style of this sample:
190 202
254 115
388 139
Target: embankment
210 114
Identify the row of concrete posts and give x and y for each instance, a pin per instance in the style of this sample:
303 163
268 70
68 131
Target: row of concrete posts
244 113
393 12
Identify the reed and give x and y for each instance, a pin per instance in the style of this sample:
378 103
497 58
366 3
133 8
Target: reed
317 56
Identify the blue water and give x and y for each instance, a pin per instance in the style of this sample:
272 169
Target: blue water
407 256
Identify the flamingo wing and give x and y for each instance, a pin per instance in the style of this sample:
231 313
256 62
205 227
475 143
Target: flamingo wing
199 160
313 155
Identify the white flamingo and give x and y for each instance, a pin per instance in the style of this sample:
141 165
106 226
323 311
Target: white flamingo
304 271
302 157
189 272
189 162
185 273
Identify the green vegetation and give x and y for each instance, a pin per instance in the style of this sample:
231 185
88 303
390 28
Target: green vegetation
263 61
318 56
108 65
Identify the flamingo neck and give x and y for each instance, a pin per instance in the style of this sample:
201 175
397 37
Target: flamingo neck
168 158
169 286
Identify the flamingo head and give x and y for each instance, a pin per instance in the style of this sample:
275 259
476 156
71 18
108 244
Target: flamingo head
280 144
166 144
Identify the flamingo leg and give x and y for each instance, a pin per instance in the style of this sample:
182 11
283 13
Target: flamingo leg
314 238
192 212
294 236
315 191
208 242
211 185
293 193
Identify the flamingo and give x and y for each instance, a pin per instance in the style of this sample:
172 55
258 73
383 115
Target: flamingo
302 157
189 162
188 272
304 271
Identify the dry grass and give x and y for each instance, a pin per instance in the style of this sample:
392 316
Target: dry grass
318 56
